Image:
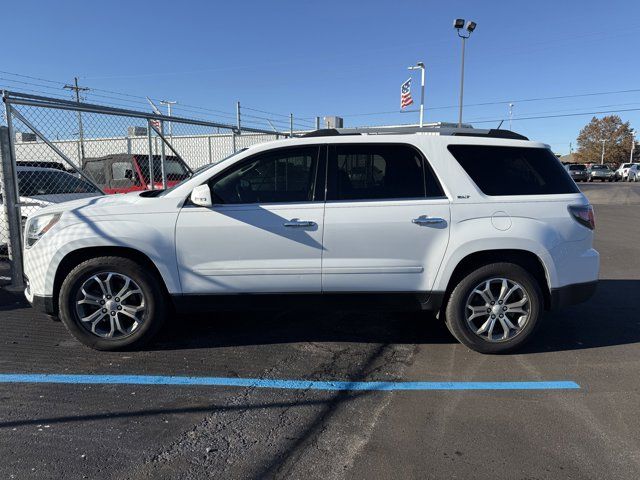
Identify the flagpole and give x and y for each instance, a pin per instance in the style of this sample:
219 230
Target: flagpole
422 97
420 65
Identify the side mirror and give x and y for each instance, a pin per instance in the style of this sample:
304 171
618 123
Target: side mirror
201 195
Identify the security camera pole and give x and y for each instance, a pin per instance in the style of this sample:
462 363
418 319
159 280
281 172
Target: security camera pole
420 66
510 115
458 24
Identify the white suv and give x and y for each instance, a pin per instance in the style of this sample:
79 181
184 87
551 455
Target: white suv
485 228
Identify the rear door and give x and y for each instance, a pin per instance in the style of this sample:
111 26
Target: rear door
386 223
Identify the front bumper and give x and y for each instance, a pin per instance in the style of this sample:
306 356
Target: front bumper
43 304
572 294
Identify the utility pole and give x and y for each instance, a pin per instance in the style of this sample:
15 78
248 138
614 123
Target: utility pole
168 103
602 157
239 125
77 89
633 145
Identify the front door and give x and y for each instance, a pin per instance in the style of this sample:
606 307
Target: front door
386 220
264 233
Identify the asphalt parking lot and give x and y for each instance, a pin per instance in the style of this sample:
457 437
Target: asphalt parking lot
180 431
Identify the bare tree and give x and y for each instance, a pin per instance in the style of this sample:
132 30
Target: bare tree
617 140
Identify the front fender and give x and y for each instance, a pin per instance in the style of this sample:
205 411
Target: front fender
155 239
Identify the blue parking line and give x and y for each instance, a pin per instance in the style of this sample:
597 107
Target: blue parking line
278 384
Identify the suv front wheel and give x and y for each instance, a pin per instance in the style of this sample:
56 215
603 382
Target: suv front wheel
495 308
112 303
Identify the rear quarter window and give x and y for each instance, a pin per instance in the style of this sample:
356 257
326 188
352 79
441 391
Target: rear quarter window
513 170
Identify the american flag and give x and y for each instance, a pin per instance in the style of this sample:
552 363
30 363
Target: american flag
155 123
405 94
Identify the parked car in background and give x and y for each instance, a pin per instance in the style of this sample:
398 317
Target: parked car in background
578 172
487 230
122 173
633 175
623 171
600 172
39 187
43 164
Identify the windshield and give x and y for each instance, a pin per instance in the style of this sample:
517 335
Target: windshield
201 170
50 182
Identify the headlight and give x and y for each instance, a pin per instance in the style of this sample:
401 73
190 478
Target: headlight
38 226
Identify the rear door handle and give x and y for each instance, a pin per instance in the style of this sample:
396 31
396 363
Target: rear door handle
297 223
425 220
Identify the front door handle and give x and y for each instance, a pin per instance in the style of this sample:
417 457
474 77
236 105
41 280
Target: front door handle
426 220
297 223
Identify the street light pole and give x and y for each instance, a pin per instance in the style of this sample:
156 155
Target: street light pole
168 103
420 66
633 145
602 157
459 24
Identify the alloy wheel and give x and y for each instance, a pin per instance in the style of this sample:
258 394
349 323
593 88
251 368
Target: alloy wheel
497 309
110 305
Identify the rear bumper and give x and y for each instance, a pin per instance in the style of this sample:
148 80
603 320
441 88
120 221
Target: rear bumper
572 294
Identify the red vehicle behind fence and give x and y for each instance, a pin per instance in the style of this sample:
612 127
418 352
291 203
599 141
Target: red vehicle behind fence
122 173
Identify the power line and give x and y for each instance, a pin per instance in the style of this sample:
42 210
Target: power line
500 102
541 117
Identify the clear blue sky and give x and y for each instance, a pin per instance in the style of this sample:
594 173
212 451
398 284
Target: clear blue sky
338 57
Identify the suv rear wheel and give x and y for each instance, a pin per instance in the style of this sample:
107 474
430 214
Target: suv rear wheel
495 308
112 303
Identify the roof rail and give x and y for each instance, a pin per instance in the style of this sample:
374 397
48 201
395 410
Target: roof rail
435 130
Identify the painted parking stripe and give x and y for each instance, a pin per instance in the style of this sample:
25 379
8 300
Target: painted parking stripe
278 384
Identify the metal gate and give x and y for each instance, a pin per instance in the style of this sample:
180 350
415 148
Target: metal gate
57 150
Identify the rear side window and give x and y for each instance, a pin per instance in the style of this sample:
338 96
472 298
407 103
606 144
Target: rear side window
379 172
513 170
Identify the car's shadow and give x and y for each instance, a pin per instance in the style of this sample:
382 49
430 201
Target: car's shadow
610 318
222 329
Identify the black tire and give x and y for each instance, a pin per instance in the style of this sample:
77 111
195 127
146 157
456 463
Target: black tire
154 314
455 315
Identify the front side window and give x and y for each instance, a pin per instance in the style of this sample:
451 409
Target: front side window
286 175
513 170
379 172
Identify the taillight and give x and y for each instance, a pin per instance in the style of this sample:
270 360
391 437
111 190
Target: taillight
583 214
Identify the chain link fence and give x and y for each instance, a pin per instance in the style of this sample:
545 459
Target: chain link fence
57 150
